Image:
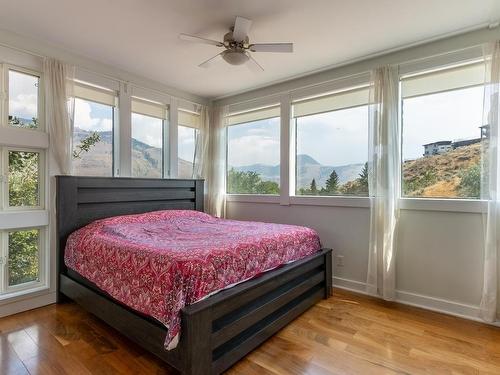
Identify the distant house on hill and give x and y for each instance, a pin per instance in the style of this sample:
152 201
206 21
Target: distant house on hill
437 148
440 147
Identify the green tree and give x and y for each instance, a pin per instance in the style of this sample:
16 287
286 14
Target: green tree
16 121
250 182
332 184
313 188
363 178
86 144
23 178
470 182
23 256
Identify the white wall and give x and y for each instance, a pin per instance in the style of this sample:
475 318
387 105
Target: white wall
439 259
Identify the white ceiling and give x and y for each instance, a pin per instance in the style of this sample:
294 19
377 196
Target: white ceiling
141 36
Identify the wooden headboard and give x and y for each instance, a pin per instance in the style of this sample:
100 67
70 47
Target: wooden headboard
82 200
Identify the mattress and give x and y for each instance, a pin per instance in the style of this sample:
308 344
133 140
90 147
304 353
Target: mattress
158 262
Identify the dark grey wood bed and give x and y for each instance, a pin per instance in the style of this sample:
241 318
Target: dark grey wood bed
217 331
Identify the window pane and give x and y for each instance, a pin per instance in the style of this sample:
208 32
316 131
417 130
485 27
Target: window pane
23 99
332 151
24 179
442 144
253 157
93 139
23 263
186 147
147 140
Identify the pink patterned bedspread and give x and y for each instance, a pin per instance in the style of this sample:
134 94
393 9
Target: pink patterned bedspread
159 262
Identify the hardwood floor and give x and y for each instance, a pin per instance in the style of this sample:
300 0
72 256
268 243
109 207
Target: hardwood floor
346 334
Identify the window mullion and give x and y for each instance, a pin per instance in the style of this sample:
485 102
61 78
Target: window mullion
174 139
285 150
123 133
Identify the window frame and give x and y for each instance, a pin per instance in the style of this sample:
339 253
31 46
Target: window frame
42 204
337 86
114 117
164 141
295 171
24 218
7 290
40 98
437 63
250 107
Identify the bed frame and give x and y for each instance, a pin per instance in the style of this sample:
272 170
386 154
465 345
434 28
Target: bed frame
216 332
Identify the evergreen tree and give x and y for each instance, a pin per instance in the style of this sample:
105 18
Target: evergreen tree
313 189
363 178
332 184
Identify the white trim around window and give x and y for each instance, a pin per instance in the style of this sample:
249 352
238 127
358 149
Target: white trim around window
407 204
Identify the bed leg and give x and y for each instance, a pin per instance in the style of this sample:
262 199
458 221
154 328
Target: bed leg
328 274
197 330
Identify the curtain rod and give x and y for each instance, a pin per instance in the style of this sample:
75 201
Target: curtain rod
103 75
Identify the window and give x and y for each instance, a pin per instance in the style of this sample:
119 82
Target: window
331 136
93 131
23 178
253 152
23 256
442 131
23 99
187 131
23 215
148 130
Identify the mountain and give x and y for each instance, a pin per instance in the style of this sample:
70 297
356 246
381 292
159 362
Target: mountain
146 159
308 169
146 162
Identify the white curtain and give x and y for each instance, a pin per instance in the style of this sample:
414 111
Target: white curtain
216 178
58 82
491 181
384 181
200 168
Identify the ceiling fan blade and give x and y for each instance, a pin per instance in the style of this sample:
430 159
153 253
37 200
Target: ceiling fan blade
208 63
197 39
253 65
241 29
271 47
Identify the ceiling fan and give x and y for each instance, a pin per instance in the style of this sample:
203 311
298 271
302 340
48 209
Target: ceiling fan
237 46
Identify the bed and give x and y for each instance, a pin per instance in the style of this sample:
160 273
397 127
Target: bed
216 331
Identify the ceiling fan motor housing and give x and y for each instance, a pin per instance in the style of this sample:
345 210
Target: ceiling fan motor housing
235 53
235 56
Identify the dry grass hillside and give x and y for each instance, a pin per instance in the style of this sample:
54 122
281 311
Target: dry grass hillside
442 175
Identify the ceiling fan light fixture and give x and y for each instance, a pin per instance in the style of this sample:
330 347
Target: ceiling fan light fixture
235 57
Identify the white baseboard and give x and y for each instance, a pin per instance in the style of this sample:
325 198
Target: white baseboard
444 306
27 304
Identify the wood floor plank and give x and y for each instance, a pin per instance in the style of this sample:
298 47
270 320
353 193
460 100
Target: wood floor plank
346 334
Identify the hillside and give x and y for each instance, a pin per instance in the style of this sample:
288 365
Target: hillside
441 175
146 158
